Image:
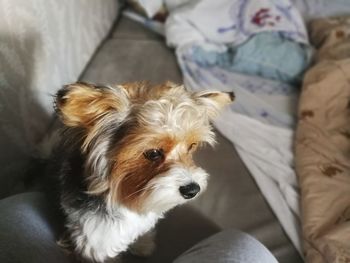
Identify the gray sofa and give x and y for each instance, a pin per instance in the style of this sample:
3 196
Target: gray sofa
128 52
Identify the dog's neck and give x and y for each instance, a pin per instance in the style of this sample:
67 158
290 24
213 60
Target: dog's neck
109 230
107 235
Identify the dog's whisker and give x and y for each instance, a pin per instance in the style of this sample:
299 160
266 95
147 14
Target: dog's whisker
140 190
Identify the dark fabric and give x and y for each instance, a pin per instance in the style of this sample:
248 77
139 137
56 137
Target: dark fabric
133 54
30 226
28 230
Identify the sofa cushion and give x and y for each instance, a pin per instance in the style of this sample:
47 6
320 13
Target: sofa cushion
133 53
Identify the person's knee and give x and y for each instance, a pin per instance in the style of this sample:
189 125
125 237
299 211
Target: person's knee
243 245
28 228
27 210
232 238
228 246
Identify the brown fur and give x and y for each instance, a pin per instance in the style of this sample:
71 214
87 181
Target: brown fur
83 104
132 171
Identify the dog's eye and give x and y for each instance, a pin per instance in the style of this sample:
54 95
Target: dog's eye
192 146
154 154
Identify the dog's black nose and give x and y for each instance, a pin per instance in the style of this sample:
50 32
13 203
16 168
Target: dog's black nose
189 191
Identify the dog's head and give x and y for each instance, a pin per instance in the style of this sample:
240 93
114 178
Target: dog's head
139 140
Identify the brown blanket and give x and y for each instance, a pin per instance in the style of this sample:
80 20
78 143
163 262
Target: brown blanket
323 145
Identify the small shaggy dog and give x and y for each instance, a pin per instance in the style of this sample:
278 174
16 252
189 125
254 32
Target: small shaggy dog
126 159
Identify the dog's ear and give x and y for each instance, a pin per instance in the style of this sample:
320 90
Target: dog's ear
214 101
82 104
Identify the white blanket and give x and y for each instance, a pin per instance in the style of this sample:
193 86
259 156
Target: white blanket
231 22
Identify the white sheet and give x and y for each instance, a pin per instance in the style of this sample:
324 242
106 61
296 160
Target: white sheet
262 148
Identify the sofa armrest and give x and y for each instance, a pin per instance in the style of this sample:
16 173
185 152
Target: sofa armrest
44 44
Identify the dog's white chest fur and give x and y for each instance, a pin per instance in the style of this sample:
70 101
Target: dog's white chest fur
104 237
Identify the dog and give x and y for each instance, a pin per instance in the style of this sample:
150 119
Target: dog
126 158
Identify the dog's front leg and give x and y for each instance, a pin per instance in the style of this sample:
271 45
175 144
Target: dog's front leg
145 245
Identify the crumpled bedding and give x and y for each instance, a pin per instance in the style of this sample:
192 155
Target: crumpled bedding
323 145
268 55
262 38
